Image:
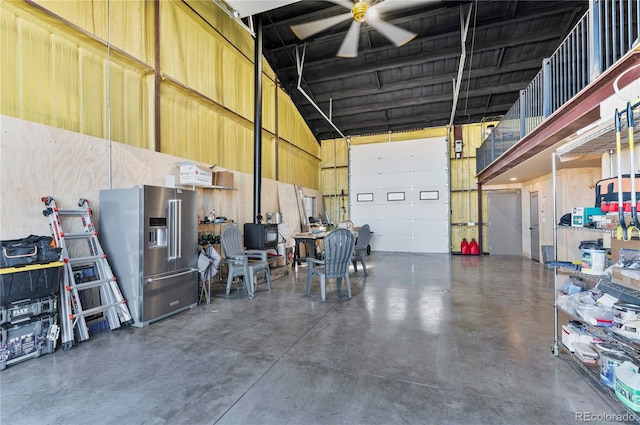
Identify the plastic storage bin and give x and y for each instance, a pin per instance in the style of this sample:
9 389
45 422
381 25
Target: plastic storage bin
27 340
29 282
24 310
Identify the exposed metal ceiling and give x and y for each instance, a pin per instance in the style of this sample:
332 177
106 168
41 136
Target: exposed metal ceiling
391 89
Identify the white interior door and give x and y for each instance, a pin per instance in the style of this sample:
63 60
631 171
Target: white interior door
401 190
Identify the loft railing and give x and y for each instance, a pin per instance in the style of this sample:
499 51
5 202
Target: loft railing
604 34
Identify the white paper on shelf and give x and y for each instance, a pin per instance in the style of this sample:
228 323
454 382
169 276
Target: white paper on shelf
633 274
607 300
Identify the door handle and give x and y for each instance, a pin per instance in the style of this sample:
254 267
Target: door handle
175 221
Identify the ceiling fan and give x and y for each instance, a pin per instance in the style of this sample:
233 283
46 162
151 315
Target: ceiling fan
360 11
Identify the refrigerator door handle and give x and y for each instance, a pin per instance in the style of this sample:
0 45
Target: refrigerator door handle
149 280
179 229
175 222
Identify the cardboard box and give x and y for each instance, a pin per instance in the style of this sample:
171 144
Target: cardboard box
577 217
275 262
626 277
571 335
192 174
585 216
223 179
617 245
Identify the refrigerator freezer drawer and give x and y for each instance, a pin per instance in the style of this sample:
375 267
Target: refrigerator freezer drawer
164 295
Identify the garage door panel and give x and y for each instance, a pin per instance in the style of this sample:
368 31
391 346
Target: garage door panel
393 227
425 227
435 227
359 220
408 167
401 181
364 182
413 195
403 244
394 211
431 245
436 177
362 154
428 215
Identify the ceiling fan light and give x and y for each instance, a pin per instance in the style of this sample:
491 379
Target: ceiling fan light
359 11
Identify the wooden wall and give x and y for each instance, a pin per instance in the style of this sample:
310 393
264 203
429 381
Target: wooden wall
38 160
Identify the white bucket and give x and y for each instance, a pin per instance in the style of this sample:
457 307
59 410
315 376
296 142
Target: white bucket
609 362
593 261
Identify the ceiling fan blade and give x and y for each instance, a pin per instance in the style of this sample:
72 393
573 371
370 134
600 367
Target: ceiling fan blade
388 5
394 34
308 29
344 3
349 46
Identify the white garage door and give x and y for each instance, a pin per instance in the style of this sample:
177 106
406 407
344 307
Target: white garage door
401 190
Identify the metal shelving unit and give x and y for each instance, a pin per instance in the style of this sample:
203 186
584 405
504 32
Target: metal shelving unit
595 141
628 346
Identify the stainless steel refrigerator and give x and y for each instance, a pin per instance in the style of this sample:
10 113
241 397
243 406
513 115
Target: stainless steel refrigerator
150 236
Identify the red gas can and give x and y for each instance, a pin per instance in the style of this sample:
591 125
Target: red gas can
474 249
464 247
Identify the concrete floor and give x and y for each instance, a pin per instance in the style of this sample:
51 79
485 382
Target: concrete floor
426 339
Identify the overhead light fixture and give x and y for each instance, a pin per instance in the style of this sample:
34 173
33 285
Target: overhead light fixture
513 179
359 11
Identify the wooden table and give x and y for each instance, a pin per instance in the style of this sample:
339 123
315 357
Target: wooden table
307 237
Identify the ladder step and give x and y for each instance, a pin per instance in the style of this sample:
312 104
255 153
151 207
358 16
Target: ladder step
96 310
78 260
86 235
71 211
113 305
92 284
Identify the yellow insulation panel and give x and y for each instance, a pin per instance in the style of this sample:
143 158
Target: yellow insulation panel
335 180
268 104
200 58
292 127
297 167
334 152
239 38
53 77
464 207
57 74
128 25
268 156
337 207
463 174
196 130
473 136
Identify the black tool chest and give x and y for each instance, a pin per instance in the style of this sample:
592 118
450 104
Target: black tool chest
28 304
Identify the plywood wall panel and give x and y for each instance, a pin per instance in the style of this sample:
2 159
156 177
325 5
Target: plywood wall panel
25 177
38 160
269 198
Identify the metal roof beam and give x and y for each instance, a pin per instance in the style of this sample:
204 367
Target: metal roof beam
455 32
320 67
419 99
323 96
354 123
